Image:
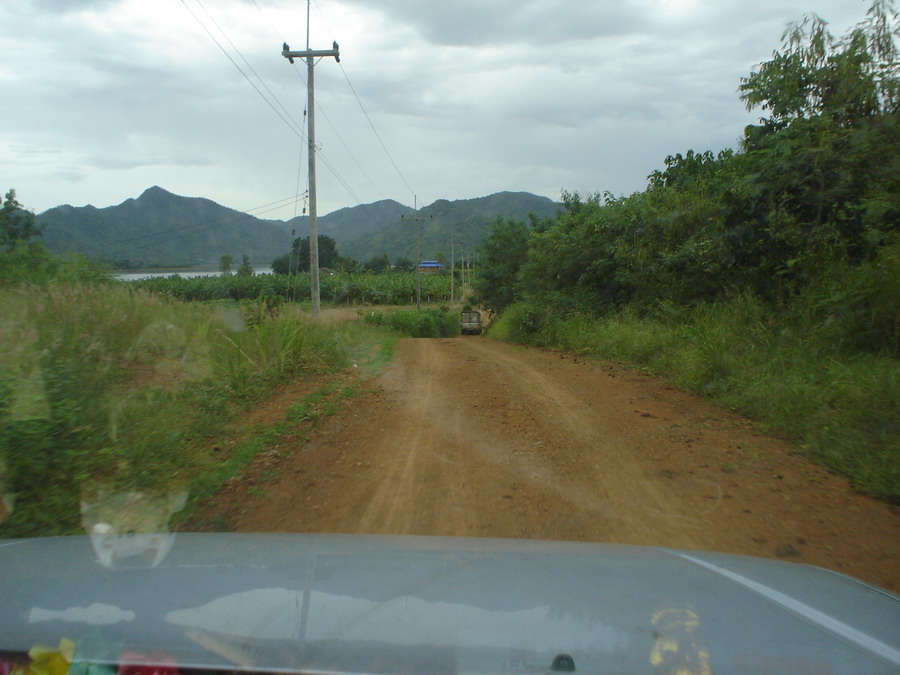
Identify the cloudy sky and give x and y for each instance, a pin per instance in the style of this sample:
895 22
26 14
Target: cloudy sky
105 98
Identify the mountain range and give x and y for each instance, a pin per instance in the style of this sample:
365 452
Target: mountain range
162 229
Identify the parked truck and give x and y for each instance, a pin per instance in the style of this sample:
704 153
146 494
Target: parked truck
470 322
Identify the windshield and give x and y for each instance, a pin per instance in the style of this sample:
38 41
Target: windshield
328 352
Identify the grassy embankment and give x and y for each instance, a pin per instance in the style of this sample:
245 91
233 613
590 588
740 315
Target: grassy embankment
106 387
840 406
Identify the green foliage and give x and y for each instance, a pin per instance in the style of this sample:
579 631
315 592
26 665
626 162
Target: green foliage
813 75
107 385
246 269
501 256
16 224
403 264
425 323
297 260
388 288
766 278
378 264
813 198
225 264
29 262
842 408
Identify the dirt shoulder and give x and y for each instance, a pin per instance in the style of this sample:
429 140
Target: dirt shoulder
473 437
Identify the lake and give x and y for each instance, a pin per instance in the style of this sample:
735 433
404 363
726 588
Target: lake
183 273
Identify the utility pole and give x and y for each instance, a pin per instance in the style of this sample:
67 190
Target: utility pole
310 55
462 270
452 269
418 250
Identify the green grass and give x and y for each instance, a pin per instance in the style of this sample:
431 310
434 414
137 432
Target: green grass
107 387
427 323
841 408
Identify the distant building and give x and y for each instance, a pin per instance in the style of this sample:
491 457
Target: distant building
430 266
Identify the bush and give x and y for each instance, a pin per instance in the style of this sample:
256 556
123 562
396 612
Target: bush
107 384
426 323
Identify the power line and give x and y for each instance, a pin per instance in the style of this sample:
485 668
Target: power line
252 69
234 63
286 117
296 128
363 108
375 131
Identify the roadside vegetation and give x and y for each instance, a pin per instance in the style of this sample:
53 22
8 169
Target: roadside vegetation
127 388
390 287
767 278
108 388
425 323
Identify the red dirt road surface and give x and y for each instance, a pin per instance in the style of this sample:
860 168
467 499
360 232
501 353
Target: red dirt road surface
473 437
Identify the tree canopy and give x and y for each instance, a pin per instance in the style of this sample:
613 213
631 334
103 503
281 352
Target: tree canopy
16 223
806 211
298 259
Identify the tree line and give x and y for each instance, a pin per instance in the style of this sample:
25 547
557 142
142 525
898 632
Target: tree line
804 216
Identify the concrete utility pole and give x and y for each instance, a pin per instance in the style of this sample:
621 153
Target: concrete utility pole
418 250
452 269
310 55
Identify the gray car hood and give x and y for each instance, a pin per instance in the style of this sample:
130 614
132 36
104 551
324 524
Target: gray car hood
373 604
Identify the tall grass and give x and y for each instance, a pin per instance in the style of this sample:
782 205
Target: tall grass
841 407
104 384
426 323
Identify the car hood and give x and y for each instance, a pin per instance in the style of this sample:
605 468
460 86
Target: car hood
378 604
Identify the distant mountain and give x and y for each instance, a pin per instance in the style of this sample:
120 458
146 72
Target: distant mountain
345 225
465 221
160 229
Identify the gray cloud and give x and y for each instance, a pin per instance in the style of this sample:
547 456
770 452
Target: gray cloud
536 22
469 97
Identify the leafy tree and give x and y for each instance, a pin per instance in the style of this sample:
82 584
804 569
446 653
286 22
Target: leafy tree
246 269
403 264
501 256
806 216
16 223
225 264
379 264
822 182
815 75
298 259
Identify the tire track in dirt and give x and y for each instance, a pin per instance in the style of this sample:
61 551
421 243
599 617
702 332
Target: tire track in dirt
473 437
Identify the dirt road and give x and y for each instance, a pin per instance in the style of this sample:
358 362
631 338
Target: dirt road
473 437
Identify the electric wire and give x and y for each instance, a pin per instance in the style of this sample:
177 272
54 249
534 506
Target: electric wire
358 100
363 108
318 105
375 131
297 129
247 63
252 84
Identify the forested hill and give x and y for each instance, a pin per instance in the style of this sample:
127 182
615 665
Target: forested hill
465 221
347 224
160 228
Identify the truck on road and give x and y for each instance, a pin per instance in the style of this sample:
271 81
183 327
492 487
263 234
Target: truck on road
470 322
